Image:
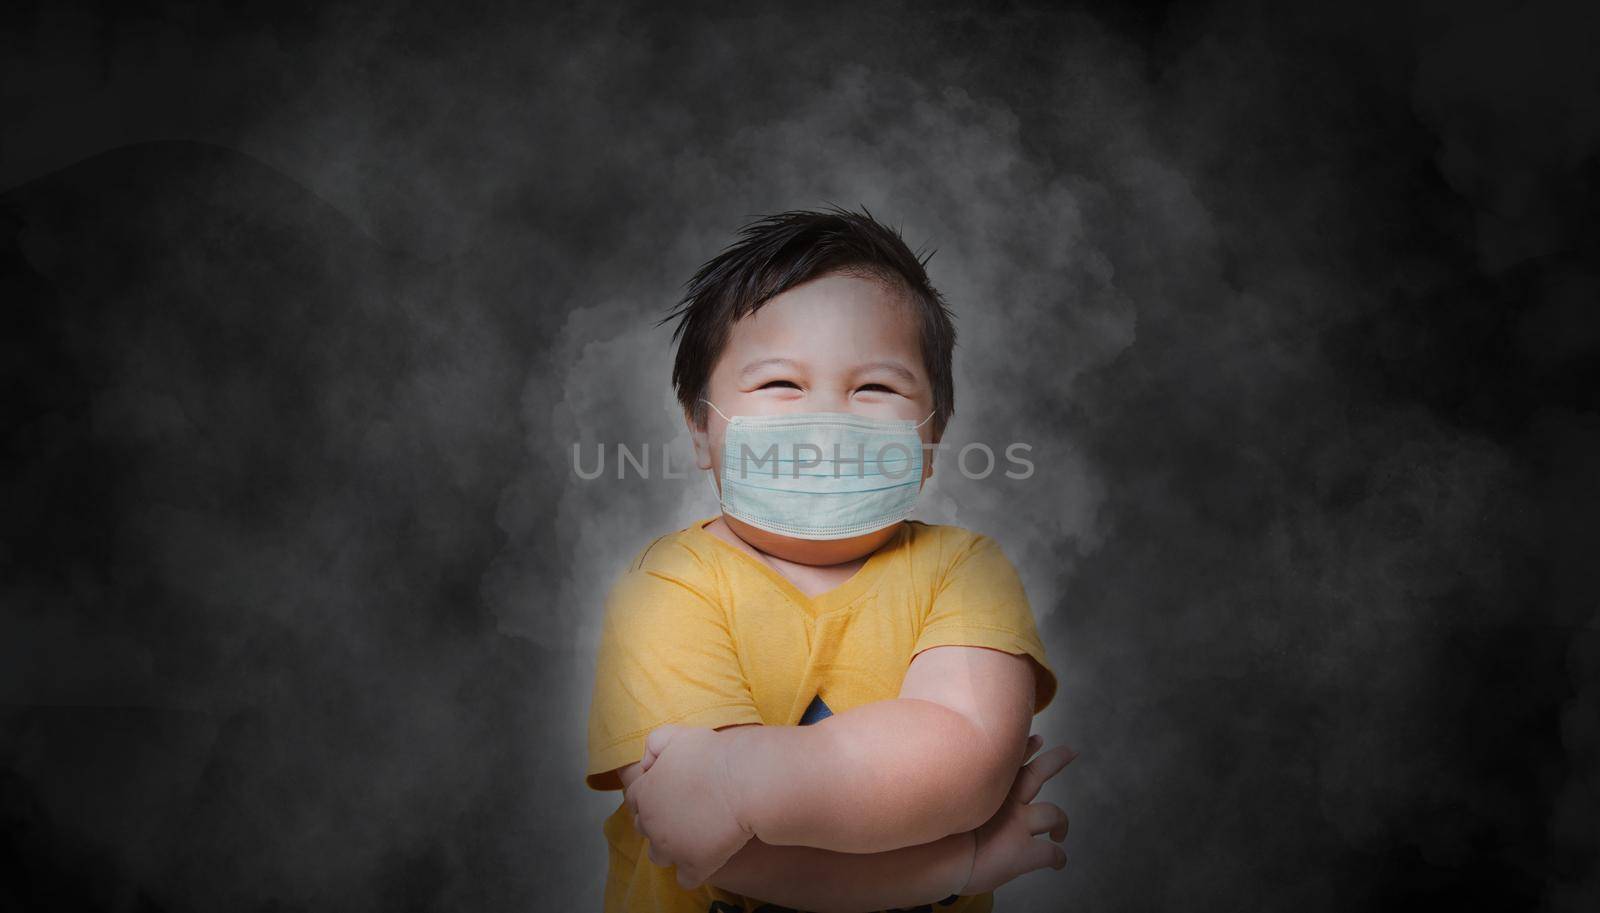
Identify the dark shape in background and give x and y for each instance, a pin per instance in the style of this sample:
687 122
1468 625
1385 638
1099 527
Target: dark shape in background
296 587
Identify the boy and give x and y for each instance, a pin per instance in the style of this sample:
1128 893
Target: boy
810 699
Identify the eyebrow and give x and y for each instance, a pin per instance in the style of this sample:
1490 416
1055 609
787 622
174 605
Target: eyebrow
893 367
760 363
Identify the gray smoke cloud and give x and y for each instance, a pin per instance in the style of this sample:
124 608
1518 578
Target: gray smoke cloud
302 590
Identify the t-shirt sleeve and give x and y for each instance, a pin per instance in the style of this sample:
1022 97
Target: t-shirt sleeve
980 602
666 655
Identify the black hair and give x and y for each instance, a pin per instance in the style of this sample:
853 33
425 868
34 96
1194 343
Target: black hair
778 252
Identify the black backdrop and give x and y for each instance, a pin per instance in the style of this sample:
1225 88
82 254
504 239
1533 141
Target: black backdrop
304 308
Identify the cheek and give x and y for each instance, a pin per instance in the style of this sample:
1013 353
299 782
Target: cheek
707 445
714 439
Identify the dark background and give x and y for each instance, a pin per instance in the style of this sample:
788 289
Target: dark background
304 309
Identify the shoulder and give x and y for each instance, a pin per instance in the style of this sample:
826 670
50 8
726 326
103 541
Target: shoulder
945 546
950 555
677 562
683 552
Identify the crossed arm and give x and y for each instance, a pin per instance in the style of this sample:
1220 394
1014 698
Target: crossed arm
870 807
824 881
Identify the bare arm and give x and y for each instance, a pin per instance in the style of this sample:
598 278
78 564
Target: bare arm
936 761
824 881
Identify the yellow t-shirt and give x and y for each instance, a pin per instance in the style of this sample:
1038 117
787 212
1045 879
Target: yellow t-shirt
700 633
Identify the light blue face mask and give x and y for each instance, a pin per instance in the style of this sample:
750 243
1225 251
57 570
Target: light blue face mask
820 475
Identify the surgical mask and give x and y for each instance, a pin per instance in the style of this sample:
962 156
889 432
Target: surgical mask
820 475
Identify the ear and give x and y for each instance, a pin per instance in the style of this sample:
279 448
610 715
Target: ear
928 452
700 436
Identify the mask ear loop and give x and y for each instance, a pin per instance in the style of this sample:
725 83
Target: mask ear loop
718 411
709 475
925 421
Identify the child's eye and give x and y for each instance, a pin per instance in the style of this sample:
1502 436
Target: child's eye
874 388
779 383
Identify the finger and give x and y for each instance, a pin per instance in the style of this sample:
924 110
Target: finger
1056 856
636 823
1045 816
688 880
1051 762
656 741
1035 742
630 796
648 758
1031 778
1037 854
1034 774
655 858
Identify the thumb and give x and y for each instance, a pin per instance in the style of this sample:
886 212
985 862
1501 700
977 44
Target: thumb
655 743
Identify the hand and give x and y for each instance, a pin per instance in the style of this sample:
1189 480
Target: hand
1006 847
683 802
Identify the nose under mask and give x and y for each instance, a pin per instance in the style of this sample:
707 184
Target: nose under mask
820 475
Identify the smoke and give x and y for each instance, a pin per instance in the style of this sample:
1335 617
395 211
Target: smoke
307 311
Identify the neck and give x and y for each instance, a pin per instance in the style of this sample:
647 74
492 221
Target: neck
830 553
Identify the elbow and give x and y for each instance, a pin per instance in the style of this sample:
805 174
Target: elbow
986 784
986 791
970 782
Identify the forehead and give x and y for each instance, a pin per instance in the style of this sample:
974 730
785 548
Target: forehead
833 319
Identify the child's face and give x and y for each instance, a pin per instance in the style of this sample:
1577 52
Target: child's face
838 343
